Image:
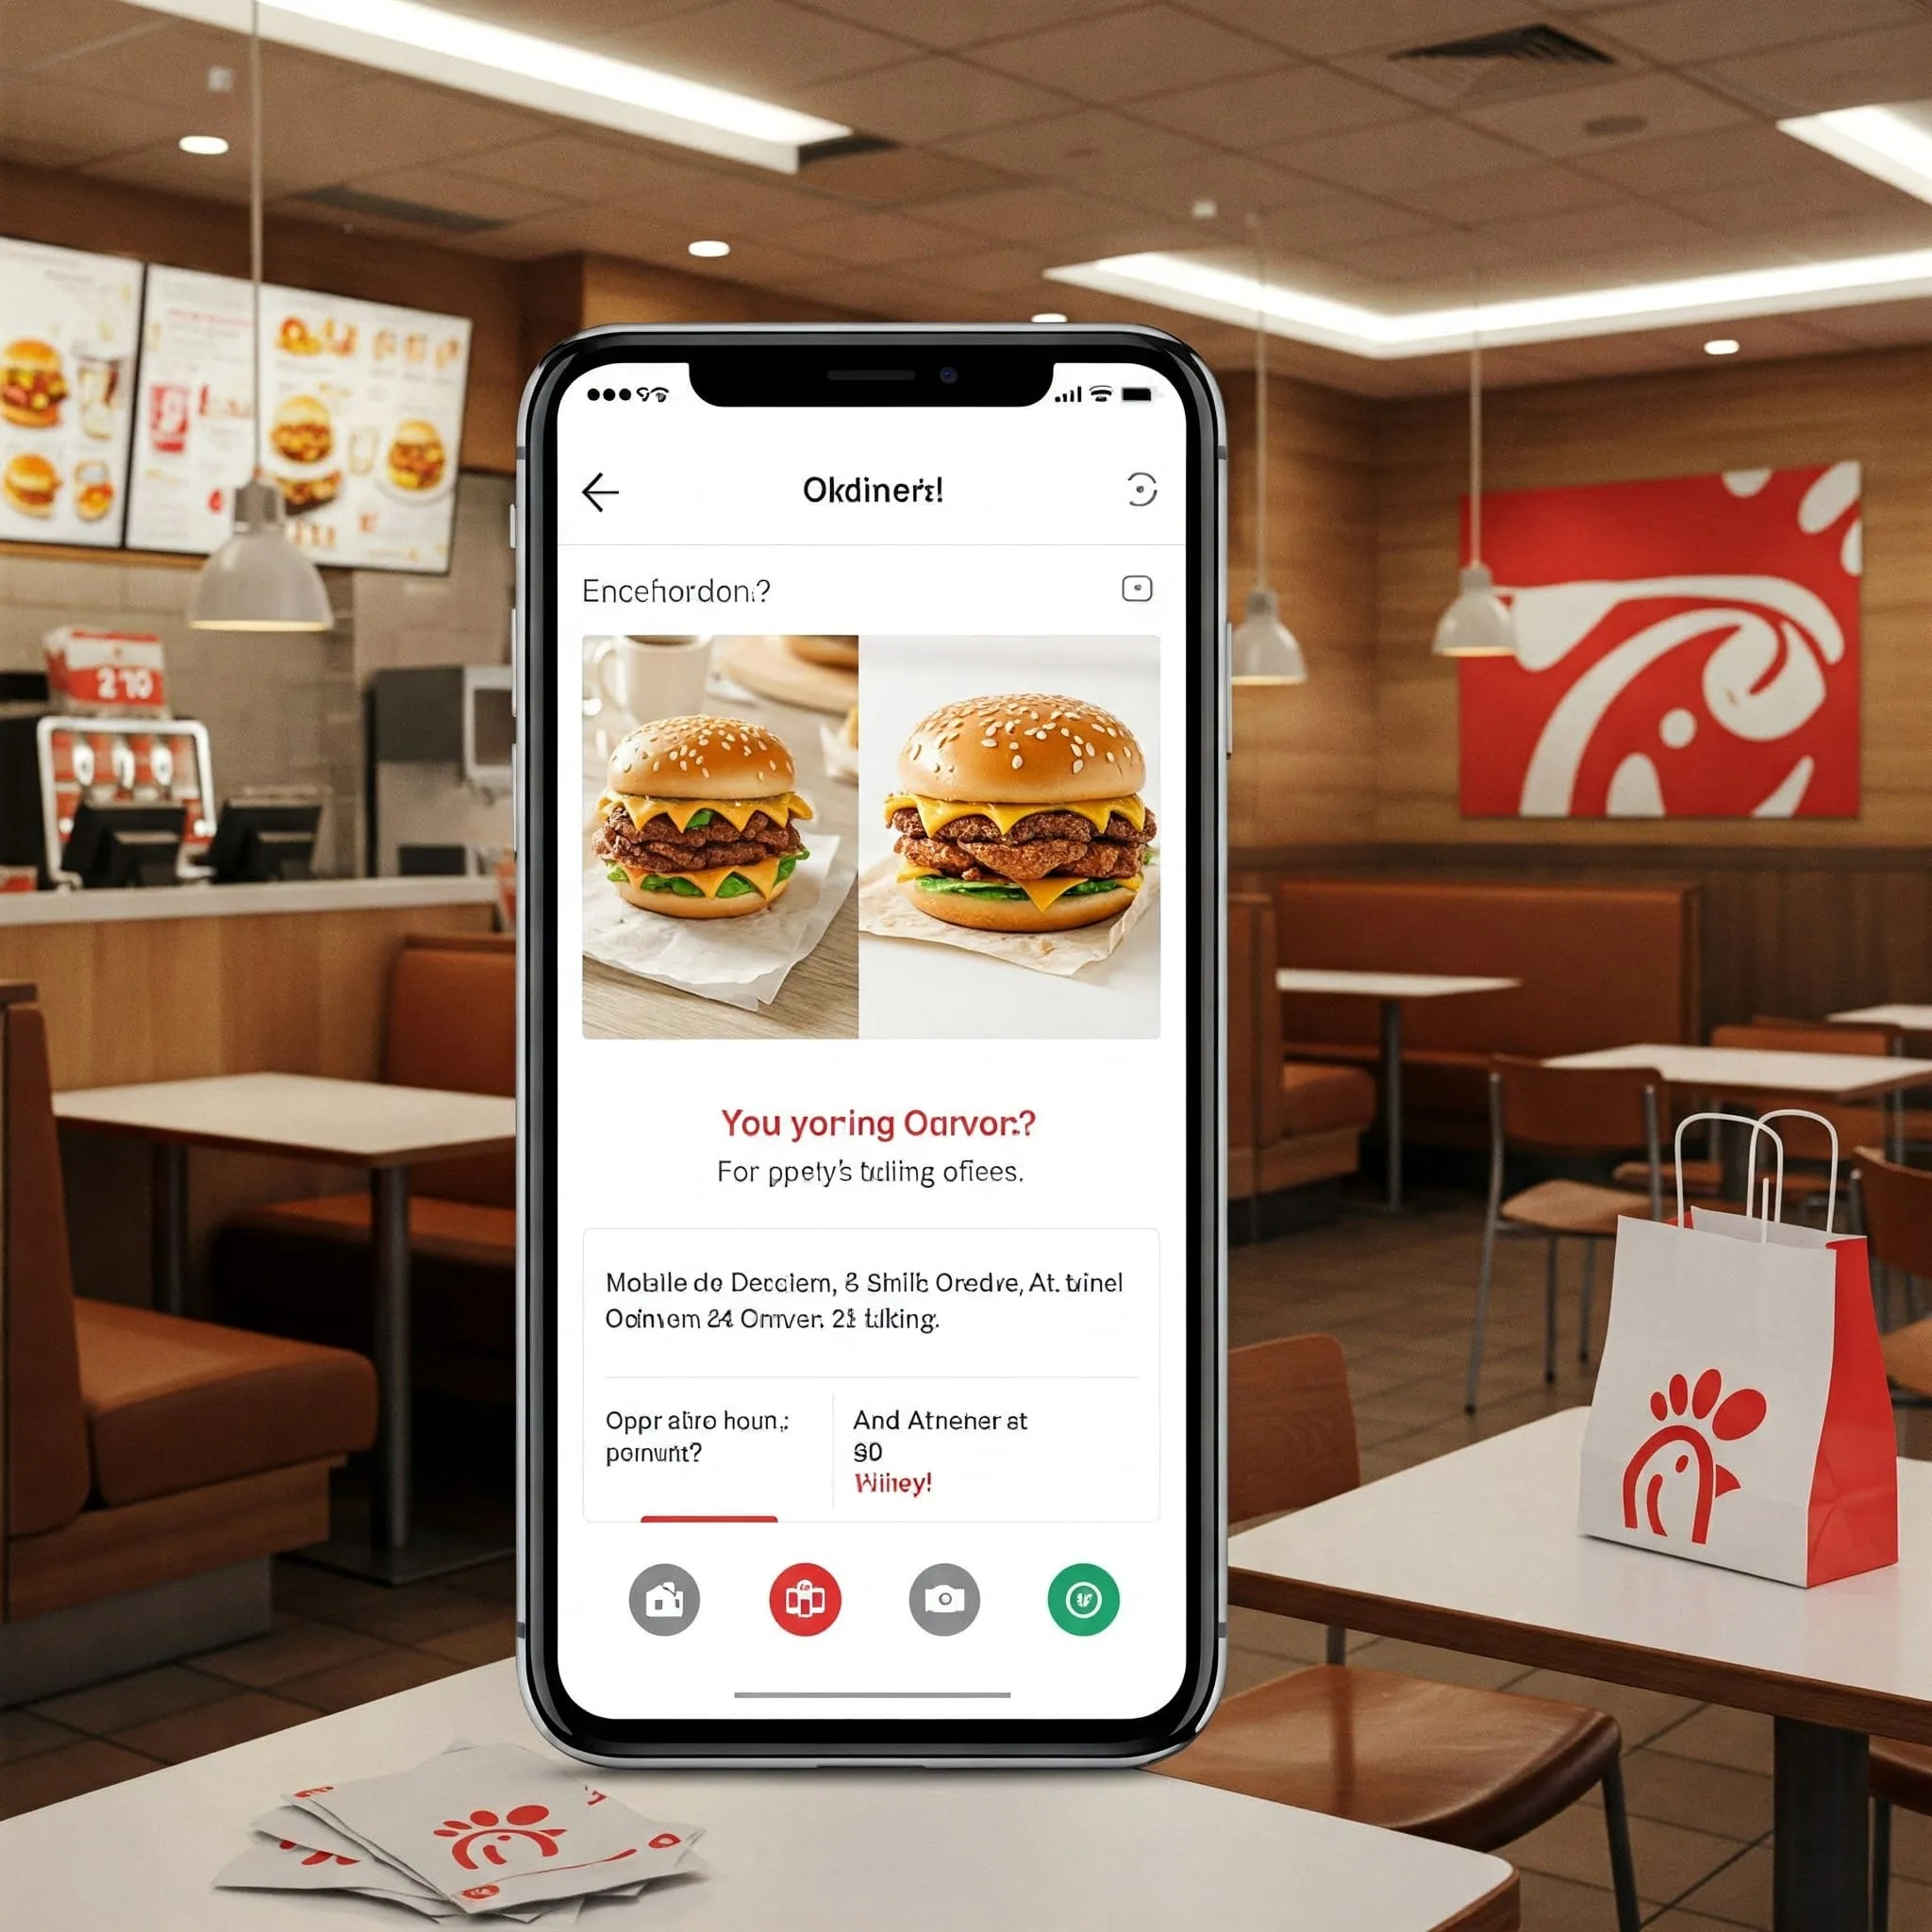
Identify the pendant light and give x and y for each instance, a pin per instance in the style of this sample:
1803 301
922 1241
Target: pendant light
258 580
1478 624
1265 650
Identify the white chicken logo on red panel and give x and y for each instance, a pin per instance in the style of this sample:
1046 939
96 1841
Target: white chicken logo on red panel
1687 648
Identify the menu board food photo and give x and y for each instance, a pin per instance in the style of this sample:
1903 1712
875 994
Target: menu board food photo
363 409
68 325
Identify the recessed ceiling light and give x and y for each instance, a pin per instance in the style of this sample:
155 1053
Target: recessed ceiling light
708 251
202 144
453 50
1722 345
1885 142
1198 287
1049 315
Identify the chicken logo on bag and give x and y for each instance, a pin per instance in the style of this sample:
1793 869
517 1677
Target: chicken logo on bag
1729 1419
485 1832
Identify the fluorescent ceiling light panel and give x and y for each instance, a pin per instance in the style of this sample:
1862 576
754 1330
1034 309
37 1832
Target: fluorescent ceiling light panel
452 50
1889 142
1198 287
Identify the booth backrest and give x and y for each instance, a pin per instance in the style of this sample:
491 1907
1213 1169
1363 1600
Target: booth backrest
1254 1024
453 1023
1600 965
47 1470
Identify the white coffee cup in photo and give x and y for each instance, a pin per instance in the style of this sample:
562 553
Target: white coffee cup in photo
647 677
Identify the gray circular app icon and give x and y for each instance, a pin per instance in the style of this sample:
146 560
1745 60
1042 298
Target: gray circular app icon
664 1600
943 1600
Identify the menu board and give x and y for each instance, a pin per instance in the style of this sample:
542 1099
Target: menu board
362 407
68 323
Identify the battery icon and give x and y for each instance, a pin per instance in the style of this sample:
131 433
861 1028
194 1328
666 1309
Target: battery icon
1137 395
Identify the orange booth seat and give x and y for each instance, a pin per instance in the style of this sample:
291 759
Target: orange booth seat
151 1464
302 1267
1600 966
1289 1122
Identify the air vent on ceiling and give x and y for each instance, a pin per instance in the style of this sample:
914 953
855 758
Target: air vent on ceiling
355 200
1549 44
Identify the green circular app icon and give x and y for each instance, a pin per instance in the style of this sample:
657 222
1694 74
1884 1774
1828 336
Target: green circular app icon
1084 1599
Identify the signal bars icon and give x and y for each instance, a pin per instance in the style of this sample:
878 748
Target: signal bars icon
1098 392
1068 396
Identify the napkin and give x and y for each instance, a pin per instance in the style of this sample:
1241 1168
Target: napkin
882 910
741 962
486 1831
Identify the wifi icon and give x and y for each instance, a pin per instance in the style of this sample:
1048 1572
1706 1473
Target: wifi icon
1101 392
652 395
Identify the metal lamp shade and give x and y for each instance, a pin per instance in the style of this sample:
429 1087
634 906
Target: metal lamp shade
1478 624
258 580
1265 650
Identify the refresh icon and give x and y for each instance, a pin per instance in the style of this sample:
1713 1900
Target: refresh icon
1142 490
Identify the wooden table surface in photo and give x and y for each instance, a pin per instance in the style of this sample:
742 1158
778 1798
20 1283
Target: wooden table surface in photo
1908 1018
1389 989
862 1851
1478 1551
820 998
1754 1069
368 1123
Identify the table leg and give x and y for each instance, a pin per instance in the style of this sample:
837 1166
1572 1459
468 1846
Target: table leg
389 1228
169 1233
1392 1097
1819 1848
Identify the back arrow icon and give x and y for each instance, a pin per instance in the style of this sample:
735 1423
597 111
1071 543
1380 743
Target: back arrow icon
591 491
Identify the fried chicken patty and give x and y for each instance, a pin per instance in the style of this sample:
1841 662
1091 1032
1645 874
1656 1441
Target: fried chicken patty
662 848
1040 845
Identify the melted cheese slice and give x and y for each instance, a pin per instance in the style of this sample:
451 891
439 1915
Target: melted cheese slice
680 812
1041 891
933 813
764 874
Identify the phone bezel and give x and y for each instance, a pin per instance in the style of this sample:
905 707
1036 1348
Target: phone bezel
957 1742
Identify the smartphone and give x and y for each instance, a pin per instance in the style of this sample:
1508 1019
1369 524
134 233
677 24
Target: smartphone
872 703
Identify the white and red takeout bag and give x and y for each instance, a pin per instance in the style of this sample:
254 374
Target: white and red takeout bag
1741 1416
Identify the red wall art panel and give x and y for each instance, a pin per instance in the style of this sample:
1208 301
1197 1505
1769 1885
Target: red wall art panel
1686 648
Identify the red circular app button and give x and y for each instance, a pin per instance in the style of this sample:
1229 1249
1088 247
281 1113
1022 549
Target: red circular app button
805 1600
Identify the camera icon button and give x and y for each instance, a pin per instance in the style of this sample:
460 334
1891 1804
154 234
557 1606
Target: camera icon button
943 1600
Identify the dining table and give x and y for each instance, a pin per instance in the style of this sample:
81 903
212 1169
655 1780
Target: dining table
1478 1551
383 1129
1390 991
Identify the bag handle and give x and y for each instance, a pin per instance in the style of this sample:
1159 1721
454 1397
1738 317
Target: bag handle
1804 1114
1773 1209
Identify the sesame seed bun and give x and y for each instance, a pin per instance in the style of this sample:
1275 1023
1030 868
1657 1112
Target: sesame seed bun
682 906
835 654
986 914
31 484
702 758
30 352
1021 748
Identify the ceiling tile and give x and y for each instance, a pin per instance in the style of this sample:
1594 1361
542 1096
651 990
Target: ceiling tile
33 153
1802 197
1146 50
927 100
1541 190
730 206
1450 255
33 107
767 264
993 270
463 194
1879 324
960 23
1086 147
1755 151
60 30
871 238
1403 154
166 169
1675 33
169 68
1036 213
756 46
572 20
1661 104
1614 240
1327 27
1847 71
1264 108
902 176
1336 216
570 230
575 167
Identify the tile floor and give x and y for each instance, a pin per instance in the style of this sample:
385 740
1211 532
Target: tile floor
1397 1293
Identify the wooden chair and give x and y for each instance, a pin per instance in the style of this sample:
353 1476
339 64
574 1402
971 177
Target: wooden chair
1562 1110
1467 1767
1894 1205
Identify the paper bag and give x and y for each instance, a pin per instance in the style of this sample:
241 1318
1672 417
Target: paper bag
1741 1416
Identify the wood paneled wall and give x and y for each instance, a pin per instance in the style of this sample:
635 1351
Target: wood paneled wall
1874 408
1304 765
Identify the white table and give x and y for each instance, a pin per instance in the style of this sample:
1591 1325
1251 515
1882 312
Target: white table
364 1124
1390 989
1723 1070
1478 1551
810 1851
1907 1018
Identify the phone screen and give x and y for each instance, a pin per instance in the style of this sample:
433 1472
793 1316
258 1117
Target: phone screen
871 843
